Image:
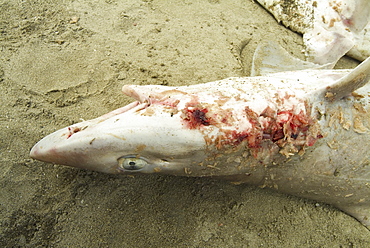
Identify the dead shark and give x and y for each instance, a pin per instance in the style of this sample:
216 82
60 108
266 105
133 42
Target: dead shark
304 133
330 28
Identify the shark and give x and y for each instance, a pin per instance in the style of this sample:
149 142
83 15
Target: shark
304 133
330 28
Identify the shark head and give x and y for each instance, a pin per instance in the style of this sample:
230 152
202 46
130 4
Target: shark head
147 136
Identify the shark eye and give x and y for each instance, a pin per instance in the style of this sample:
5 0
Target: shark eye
131 163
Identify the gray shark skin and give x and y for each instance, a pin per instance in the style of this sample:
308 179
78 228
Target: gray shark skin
330 28
304 133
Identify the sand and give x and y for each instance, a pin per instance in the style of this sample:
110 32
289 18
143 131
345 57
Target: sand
63 61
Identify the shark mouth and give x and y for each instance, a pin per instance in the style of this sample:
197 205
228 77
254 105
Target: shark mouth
47 146
142 101
75 128
142 95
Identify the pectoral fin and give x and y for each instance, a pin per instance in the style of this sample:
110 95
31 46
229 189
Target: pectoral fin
350 82
271 58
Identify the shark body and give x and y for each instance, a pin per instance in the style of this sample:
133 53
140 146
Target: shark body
330 28
304 133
